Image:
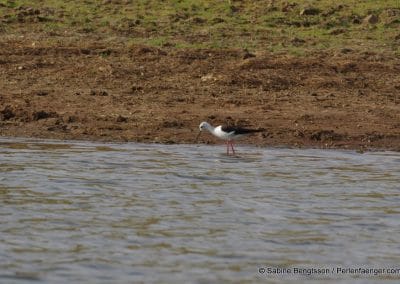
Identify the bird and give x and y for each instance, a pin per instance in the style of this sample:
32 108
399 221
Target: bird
227 133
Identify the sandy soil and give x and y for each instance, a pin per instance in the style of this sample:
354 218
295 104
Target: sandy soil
95 91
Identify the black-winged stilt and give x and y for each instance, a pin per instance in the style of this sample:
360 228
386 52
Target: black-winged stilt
227 133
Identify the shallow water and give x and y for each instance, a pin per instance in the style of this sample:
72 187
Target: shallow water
80 212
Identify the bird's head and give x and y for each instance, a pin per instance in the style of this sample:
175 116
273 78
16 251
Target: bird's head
203 125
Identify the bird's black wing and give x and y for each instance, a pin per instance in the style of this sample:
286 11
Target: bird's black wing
239 130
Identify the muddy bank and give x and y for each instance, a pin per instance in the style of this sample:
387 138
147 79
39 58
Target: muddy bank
338 99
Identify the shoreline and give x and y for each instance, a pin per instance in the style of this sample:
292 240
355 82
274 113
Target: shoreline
359 148
147 94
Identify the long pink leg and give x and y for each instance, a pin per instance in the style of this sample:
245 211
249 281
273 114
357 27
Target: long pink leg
233 150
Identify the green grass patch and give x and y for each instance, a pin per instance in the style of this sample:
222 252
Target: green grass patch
254 25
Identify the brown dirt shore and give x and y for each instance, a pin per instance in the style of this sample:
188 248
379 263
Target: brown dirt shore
342 99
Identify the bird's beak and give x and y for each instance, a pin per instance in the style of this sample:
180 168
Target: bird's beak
197 137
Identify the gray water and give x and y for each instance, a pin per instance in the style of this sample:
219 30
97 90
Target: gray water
80 212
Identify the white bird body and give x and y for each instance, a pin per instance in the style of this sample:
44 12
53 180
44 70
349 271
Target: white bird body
218 132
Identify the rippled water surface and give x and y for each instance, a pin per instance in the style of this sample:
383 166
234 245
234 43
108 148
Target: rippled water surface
79 212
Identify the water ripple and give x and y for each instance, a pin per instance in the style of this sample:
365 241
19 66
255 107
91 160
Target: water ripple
73 211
